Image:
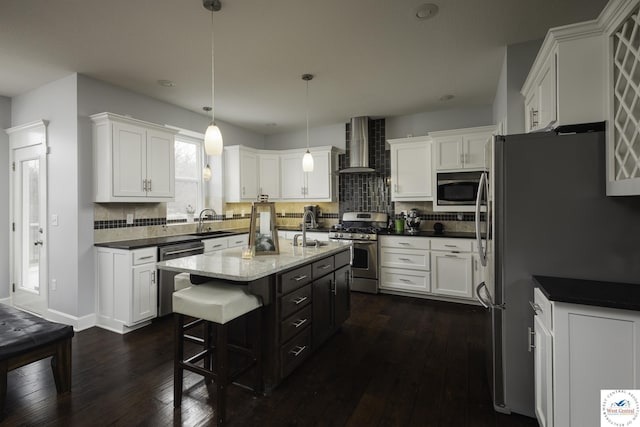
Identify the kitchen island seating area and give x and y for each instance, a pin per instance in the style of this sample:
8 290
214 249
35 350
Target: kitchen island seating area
25 338
217 305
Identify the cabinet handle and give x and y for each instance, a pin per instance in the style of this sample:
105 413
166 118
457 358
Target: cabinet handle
144 185
297 350
299 300
451 256
146 257
536 308
333 287
405 259
406 280
451 246
324 267
532 334
153 277
297 279
217 246
404 243
299 323
534 118
149 185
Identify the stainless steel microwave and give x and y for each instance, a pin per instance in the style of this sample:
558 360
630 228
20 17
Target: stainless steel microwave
458 189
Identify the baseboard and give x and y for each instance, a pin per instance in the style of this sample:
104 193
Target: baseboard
78 323
6 301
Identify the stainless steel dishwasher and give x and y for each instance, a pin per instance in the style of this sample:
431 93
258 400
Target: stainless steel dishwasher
165 282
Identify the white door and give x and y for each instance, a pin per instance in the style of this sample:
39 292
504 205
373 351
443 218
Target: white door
29 239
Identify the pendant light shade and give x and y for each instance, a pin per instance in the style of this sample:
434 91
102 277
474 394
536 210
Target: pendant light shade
206 173
307 162
213 137
307 159
213 140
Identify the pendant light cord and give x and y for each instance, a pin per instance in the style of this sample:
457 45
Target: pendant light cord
212 74
307 115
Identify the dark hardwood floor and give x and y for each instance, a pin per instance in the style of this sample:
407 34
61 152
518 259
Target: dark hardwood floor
396 362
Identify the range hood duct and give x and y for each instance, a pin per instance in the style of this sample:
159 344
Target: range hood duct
359 147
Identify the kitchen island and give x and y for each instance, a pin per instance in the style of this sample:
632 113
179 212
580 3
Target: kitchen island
305 293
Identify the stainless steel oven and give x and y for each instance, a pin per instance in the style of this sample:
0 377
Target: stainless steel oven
361 229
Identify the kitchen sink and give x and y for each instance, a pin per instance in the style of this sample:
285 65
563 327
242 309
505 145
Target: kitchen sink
212 233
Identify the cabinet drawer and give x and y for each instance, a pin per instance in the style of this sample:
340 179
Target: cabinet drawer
295 278
459 245
294 301
322 267
404 242
240 240
404 258
144 256
293 353
543 308
211 245
405 280
343 258
294 324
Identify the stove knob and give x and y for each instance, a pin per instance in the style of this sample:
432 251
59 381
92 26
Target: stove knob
363 236
339 235
366 236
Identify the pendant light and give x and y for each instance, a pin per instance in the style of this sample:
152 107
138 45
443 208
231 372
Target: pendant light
307 159
206 172
212 137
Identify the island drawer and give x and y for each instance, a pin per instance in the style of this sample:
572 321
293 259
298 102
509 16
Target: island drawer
294 301
295 278
295 324
322 267
343 258
293 353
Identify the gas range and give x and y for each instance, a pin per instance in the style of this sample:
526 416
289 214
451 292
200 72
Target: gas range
359 226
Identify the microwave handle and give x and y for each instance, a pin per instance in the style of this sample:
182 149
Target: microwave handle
482 187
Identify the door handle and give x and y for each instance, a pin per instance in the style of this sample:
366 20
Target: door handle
38 243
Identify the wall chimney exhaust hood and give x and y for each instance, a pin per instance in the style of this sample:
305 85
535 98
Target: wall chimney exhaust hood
358 147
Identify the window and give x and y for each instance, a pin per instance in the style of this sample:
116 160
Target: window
189 189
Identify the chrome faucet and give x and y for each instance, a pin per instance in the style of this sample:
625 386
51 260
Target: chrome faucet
200 217
304 228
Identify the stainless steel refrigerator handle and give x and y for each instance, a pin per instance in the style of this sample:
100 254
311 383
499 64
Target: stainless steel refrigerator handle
478 297
482 187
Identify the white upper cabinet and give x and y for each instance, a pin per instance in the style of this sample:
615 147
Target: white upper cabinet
319 185
565 85
461 149
411 176
269 175
240 173
623 91
133 160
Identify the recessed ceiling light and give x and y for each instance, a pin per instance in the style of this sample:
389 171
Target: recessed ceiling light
166 83
447 97
426 11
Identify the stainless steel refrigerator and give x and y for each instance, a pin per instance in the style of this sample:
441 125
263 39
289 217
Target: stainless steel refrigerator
549 215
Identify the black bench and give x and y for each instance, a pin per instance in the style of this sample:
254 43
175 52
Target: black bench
25 338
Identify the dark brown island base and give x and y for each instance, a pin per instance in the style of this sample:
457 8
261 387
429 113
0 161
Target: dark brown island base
305 294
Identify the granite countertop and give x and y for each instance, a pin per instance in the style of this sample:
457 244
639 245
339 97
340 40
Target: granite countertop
228 264
425 233
591 292
164 240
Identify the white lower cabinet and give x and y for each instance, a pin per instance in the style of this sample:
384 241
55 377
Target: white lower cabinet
404 264
127 288
580 350
452 267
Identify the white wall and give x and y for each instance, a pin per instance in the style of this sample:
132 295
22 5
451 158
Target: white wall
5 122
56 103
318 136
431 121
95 96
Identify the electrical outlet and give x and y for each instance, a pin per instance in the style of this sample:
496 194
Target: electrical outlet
229 214
284 213
54 284
242 213
54 220
129 219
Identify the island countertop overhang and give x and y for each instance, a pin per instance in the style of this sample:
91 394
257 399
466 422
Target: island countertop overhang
228 264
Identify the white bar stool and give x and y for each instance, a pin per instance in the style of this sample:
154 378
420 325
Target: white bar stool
215 304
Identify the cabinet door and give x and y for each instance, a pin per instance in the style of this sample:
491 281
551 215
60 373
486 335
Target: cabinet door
411 171
474 150
542 365
319 180
248 175
144 297
322 323
342 295
448 153
160 164
547 94
292 177
451 274
269 175
129 160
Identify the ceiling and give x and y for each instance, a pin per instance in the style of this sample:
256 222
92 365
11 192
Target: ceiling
369 57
